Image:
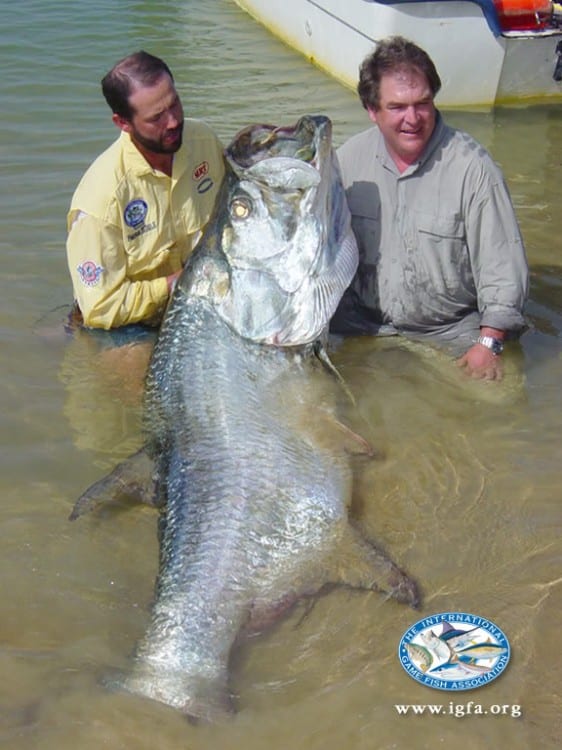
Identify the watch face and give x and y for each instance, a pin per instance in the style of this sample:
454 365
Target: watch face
497 346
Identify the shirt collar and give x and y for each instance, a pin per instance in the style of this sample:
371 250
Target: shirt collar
133 159
136 163
435 140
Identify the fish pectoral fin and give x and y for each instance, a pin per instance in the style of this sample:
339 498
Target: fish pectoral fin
353 442
133 479
327 432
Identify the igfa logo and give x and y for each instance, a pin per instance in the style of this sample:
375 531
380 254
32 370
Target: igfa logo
454 651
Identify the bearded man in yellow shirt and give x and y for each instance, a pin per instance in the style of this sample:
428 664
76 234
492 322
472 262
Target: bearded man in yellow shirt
139 209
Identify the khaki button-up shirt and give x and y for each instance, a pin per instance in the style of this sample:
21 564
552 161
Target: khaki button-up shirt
130 226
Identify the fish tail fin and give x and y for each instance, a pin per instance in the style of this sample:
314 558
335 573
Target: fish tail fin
201 698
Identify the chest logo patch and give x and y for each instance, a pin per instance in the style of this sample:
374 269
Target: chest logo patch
201 170
135 212
204 185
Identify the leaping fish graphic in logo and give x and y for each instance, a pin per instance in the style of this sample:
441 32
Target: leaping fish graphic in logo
420 656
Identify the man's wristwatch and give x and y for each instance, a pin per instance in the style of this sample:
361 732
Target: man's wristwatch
495 345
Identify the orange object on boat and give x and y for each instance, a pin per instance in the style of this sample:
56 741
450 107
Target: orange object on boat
523 15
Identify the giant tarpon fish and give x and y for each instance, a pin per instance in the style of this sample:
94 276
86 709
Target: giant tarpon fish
254 479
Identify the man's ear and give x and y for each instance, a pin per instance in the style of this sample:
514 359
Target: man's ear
121 123
372 114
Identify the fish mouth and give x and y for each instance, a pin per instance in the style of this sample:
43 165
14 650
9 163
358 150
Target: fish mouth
285 233
309 140
289 158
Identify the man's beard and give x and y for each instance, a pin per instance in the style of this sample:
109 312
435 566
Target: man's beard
160 146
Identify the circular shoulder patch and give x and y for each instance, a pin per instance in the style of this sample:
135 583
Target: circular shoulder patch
135 212
454 651
90 273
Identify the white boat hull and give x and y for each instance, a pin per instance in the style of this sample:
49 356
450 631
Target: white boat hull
476 67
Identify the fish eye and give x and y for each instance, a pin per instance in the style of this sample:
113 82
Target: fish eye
240 208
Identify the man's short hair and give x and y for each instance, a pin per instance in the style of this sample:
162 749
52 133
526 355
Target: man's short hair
140 68
391 54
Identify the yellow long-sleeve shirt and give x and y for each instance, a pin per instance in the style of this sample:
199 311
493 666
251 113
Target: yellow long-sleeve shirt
130 226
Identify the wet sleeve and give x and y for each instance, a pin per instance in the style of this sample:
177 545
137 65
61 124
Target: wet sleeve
344 157
97 265
497 253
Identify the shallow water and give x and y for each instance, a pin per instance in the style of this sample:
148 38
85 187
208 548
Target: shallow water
465 492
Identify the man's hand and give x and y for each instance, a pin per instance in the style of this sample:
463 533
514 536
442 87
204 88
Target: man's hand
479 362
171 280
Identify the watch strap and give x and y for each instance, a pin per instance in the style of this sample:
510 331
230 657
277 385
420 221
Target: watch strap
495 345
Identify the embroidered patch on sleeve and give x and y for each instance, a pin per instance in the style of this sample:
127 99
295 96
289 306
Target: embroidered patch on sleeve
89 273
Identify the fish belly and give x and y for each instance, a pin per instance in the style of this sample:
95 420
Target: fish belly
254 506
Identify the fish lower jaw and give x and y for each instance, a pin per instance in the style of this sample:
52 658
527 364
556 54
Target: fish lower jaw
199 697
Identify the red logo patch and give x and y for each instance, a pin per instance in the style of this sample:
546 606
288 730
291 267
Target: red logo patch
201 170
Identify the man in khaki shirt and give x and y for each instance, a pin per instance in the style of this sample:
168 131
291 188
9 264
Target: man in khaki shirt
140 208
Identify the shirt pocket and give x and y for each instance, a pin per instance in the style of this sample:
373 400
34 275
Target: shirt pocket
442 250
150 245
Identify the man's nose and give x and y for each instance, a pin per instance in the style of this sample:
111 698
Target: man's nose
173 121
412 114
174 116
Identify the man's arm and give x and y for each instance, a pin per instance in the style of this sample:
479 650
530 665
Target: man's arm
500 271
97 264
